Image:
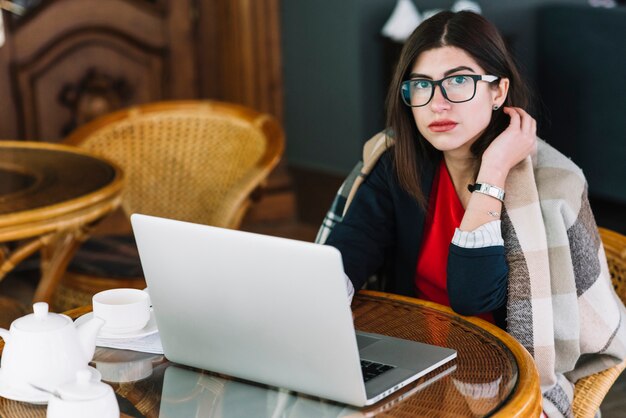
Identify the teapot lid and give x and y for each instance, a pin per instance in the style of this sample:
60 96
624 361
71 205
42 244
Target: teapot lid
84 388
41 319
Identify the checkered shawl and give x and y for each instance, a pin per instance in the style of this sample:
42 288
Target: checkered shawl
561 305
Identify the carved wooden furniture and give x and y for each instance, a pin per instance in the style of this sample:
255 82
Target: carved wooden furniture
66 62
50 196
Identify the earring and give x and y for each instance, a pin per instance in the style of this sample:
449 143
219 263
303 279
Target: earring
496 107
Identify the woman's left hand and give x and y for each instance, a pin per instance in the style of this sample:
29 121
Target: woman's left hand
513 145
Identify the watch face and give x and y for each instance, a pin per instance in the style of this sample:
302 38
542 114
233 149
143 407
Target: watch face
487 189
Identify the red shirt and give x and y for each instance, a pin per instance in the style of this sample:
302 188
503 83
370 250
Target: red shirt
445 213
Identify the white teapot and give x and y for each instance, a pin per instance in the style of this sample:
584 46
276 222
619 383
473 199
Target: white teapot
84 397
46 349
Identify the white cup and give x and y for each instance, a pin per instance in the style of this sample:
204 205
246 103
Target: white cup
123 310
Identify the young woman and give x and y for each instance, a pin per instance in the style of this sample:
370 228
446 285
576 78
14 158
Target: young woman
469 209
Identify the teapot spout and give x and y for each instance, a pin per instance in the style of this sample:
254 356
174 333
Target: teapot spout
87 334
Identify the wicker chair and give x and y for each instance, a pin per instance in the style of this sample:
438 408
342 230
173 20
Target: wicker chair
590 391
197 161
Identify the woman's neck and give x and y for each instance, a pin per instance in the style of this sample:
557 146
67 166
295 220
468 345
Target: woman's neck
462 171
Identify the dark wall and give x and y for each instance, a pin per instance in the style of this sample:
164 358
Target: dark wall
582 80
332 71
336 65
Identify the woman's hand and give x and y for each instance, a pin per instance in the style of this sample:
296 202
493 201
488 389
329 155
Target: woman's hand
513 145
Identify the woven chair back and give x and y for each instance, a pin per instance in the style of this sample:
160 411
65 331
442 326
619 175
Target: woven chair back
590 391
615 249
197 161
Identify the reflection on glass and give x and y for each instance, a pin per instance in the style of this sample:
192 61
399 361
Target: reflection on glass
481 398
188 393
122 366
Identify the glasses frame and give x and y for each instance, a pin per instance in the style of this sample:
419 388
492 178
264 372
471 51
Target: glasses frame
406 86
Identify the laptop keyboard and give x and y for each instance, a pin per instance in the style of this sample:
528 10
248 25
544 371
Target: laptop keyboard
372 369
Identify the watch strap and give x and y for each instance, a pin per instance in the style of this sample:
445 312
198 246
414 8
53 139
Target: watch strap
488 189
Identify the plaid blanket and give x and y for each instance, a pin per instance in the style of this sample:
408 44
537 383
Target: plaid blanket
561 304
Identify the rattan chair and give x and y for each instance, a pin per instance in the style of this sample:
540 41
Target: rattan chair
197 161
590 391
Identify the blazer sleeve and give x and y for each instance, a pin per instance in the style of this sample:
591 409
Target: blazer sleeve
367 229
477 279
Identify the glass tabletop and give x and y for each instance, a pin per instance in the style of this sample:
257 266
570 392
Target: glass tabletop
32 178
486 370
481 381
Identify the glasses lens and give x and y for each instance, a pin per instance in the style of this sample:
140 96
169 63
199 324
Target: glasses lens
456 89
416 92
459 88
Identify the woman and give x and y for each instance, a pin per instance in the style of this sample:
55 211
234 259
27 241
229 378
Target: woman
471 210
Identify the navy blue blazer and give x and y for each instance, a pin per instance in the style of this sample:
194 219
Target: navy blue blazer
382 231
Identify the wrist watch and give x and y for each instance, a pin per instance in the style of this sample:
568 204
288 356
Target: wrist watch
487 189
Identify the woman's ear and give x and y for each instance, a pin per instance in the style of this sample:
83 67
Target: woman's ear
500 92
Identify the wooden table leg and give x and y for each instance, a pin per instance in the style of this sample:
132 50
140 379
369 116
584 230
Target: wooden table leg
55 257
10 258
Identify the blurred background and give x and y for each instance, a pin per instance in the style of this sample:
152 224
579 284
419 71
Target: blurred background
320 66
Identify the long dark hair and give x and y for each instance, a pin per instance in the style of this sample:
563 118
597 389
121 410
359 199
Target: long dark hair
481 40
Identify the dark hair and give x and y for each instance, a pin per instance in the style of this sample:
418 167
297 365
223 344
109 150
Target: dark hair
481 40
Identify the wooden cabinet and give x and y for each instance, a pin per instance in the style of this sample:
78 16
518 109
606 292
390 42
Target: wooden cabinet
65 62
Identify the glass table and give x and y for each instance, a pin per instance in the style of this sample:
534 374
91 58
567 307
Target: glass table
50 196
492 375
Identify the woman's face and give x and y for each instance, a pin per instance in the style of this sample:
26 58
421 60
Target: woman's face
453 127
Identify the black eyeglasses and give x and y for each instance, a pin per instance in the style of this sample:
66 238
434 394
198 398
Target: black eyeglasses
455 88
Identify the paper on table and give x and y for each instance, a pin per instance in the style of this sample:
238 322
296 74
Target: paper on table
148 344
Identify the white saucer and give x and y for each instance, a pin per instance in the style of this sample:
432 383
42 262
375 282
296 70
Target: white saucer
23 392
149 329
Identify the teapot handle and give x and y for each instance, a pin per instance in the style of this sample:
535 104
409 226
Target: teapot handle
5 335
148 292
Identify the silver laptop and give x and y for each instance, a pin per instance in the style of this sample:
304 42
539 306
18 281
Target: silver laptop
269 310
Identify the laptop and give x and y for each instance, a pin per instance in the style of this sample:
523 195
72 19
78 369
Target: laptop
269 310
